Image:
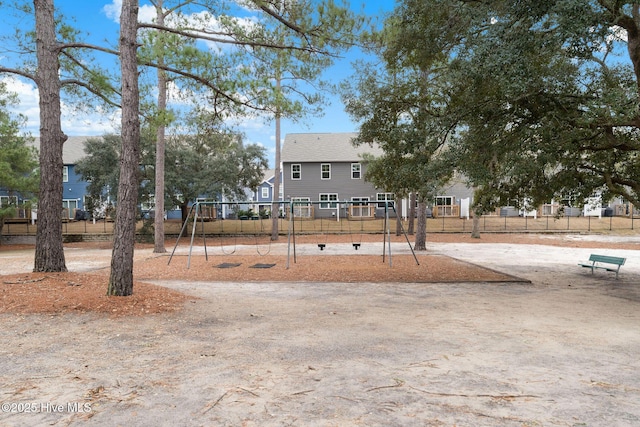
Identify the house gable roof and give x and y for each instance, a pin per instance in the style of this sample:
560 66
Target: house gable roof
72 150
268 176
325 147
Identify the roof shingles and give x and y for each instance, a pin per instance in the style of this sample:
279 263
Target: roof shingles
324 147
72 150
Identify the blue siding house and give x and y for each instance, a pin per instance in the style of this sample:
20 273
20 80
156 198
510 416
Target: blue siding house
74 188
74 195
266 194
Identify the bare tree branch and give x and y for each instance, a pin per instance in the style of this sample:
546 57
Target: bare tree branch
200 34
18 72
87 69
88 46
205 82
278 17
169 11
91 89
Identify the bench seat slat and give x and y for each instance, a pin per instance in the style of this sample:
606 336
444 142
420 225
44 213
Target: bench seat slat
607 259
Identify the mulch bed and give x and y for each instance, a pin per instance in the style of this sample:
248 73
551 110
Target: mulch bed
57 293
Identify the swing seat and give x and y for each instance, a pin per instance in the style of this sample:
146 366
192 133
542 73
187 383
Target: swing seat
356 246
321 246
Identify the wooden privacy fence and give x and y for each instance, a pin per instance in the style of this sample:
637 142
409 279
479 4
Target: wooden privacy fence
354 223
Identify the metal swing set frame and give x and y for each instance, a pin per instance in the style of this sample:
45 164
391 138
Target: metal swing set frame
196 210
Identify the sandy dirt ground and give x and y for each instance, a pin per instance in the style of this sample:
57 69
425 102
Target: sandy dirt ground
504 331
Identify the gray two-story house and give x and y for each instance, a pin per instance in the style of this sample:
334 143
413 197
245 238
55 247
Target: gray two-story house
323 173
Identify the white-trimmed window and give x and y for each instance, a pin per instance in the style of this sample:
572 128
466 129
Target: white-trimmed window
65 174
265 192
328 200
325 171
296 171
445 200
359 201
356 171
385 199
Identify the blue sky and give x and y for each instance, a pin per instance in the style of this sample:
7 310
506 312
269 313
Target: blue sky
98 18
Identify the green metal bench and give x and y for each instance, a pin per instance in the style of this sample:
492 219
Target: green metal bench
597 261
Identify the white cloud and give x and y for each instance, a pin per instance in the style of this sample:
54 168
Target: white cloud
29 102
202 19
113 10
252 124
146 13
618 34
95 122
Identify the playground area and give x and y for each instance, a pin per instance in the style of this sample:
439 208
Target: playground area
502 331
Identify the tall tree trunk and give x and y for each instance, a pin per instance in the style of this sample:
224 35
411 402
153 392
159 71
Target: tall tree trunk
49 254
412 213
398 203
184 211
158 222
421 233
475 230
275 207
121 280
